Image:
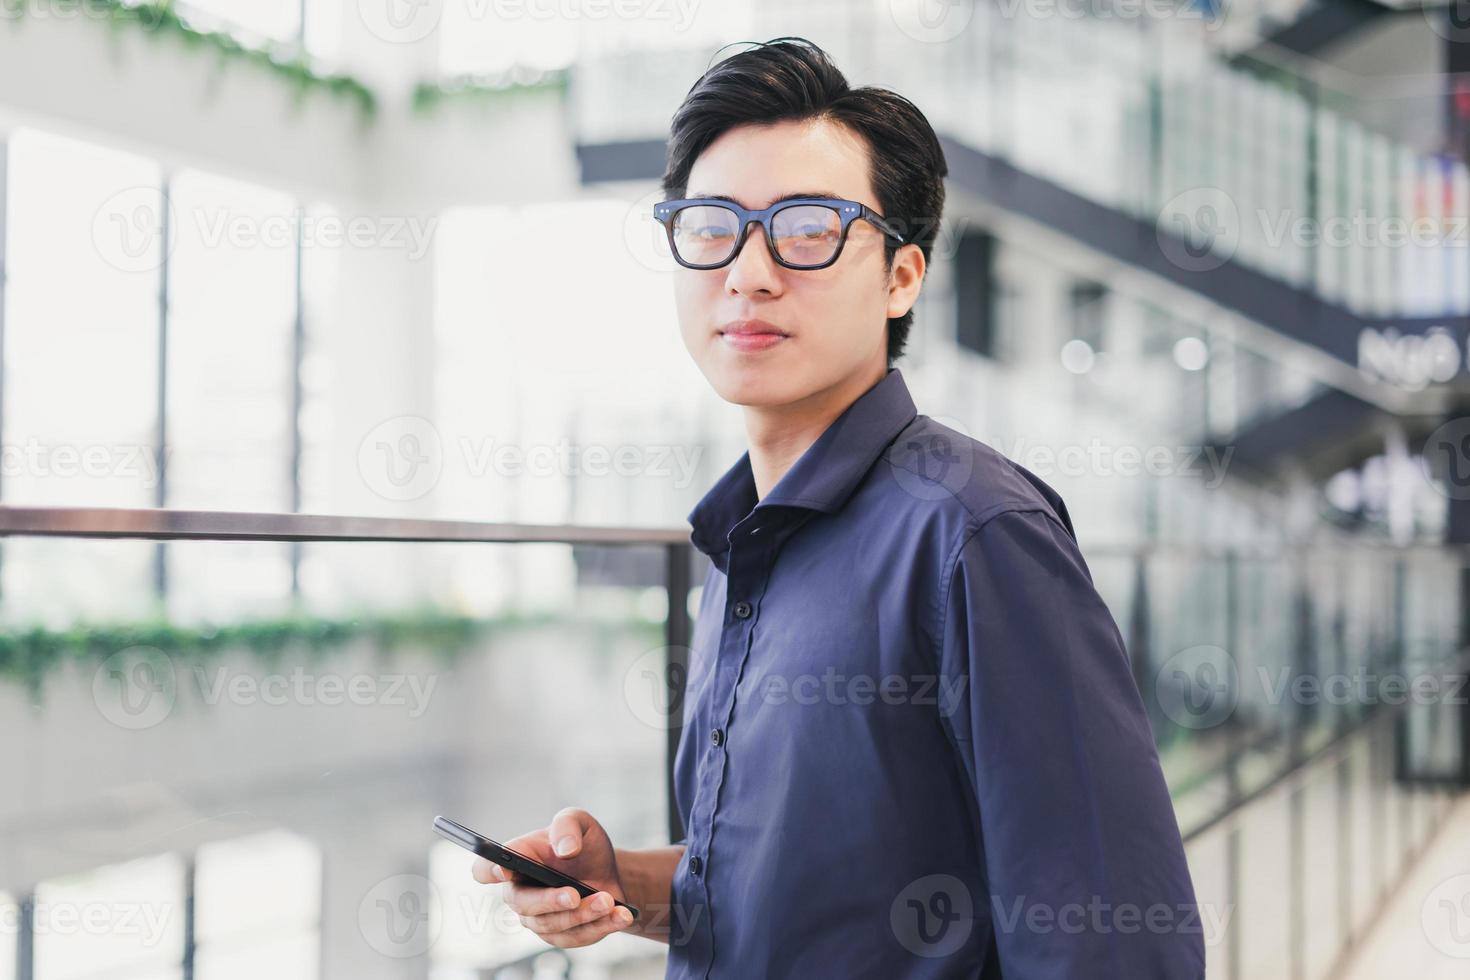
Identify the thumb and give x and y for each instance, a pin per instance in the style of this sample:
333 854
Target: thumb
567 829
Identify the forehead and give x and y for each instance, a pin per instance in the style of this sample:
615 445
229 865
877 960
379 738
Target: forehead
758 164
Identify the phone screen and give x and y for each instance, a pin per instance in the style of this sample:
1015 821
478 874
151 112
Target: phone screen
491 850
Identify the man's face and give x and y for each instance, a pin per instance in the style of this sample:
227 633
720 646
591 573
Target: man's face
832 321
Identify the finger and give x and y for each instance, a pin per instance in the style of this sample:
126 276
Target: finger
586 935
539 900
593 907
486 872
533 845
567 829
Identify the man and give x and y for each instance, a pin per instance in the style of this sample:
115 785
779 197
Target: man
912 744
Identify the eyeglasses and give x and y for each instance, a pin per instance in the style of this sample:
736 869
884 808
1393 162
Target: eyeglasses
801 232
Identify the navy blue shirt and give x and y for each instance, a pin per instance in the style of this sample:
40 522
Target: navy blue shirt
912 744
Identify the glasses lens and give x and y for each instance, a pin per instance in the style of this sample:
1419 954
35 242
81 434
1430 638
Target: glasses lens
807 234
704 234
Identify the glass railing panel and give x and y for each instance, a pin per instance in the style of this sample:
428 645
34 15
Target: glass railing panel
280 757
1306 865
1322 869
1361 802
1210 870
1189 685
1263 912
243 730
1393 845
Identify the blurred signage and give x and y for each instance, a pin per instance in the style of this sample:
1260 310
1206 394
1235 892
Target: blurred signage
1411 360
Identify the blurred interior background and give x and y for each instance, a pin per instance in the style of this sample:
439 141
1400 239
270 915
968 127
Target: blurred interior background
1203 269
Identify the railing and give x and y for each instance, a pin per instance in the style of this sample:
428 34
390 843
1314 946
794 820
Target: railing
273 738
1371 782
1302 807
1301 866
166 524
182 525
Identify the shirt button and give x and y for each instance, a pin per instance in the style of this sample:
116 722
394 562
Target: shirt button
742 609
716 736
695 864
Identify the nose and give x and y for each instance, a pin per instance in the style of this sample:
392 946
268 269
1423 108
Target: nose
753 267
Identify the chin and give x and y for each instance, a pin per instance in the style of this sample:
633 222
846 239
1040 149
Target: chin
755 385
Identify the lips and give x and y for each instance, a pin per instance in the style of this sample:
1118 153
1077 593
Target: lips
752 335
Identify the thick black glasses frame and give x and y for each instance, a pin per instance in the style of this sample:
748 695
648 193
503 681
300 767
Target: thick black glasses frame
847 212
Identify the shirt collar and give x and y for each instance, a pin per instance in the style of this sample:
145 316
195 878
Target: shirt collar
823 478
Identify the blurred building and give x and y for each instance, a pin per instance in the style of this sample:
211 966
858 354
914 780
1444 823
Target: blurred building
1203 269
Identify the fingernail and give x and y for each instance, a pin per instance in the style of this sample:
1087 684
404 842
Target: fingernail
564 846
566 900
601 903
624 916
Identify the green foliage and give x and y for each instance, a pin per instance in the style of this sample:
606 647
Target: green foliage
158 18
428 96
28 654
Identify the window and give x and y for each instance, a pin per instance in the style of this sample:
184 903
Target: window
486 39
119 922
473 40
91 236
83 250
258 908
532 376
320 282
1086 307
9 924
231 337
232 285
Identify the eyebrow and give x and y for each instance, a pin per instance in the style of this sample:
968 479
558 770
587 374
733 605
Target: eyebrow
784 197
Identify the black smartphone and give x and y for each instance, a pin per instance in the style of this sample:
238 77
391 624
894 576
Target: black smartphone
514 860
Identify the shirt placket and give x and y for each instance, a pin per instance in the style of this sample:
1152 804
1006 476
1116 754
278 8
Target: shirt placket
748 571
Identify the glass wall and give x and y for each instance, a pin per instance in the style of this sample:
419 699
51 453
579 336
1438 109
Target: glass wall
191 401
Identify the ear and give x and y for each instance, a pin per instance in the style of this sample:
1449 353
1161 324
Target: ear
905 279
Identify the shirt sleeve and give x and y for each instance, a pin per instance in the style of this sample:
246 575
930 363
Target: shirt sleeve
1085 866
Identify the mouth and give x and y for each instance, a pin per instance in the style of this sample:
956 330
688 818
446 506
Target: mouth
751 335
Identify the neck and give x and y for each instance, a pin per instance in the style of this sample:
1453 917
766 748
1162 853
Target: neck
779 434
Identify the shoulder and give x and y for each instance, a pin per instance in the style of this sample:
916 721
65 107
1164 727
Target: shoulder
941 472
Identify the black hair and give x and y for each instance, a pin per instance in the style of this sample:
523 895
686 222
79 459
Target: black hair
790 78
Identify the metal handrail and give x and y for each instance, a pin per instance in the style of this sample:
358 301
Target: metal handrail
166 523
170 524
1289 776
1298 769
225 525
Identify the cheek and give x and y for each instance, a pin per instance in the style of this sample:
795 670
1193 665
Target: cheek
849 305
689 304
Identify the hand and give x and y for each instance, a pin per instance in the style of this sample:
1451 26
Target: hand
575 844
